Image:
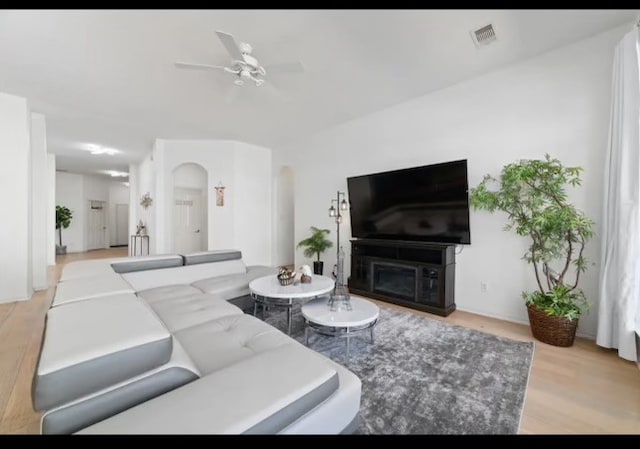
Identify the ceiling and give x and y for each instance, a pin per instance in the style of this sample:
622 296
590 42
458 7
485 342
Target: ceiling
107 77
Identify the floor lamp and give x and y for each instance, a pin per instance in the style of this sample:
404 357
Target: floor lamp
340 297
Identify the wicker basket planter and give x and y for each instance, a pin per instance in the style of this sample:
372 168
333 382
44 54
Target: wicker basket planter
553 330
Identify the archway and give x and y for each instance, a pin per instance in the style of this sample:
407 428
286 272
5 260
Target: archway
189 211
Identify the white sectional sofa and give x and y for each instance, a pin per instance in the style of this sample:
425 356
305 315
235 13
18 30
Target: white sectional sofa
161 345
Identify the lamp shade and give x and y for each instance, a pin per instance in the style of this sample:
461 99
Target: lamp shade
344 205
332 211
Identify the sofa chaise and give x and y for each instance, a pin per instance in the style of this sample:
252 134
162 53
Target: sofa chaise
161 344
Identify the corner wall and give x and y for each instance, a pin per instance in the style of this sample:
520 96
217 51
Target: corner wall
558 102
39 201
51 209
15 196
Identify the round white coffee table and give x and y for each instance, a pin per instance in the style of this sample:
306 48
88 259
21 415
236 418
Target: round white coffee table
319 318
267 291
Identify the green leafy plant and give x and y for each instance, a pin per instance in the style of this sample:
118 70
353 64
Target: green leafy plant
63 220
561 301
316 244
533 194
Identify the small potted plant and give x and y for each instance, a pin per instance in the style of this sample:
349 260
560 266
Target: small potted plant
533 194
63 221
316 245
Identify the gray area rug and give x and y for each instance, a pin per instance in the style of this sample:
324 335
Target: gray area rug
423 376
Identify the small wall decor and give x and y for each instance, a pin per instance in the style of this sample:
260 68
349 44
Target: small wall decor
146 200
219 194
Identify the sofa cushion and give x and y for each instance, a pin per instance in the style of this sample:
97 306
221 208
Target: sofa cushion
90 345
169 292
219 343
262 394
144 280
107 284
88 268
233 285
225 287
187 311
256 271
147 263
211 256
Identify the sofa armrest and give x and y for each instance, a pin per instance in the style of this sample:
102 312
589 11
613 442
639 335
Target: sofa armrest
263 394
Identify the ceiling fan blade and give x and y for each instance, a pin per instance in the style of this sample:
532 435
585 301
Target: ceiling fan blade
285 67
230 44
189 65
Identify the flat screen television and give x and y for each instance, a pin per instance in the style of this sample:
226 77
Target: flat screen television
428 204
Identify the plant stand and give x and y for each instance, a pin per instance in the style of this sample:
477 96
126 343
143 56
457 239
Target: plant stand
553 330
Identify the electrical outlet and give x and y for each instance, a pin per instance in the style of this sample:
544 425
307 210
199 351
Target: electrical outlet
483 287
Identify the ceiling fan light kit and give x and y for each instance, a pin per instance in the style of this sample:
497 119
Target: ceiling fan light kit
243 65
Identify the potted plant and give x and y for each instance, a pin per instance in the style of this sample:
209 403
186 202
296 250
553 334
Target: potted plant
533 194
63 221
316 245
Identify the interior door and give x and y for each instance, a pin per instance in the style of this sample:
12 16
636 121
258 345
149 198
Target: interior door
96 225
122 224
187 220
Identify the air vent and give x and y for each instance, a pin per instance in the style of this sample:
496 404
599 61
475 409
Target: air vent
483 36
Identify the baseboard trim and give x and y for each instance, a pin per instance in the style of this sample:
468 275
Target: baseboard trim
519 321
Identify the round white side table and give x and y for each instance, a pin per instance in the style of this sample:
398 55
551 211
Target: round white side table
267 291
319 318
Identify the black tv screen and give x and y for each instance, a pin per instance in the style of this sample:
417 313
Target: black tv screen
428 203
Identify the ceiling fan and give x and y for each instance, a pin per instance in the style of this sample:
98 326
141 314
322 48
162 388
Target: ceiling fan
243 65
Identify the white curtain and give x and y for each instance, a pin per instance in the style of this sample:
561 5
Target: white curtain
618 315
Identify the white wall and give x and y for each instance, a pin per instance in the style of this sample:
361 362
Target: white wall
557 102
96 188
252 209
39 201
118 194
15 257
243 224
51 209
283 223
142 179
70 193
133 198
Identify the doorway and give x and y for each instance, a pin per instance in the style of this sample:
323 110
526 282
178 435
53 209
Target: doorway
187 220
122 225
189 213
96 225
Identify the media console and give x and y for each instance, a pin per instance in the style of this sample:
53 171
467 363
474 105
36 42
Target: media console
412 274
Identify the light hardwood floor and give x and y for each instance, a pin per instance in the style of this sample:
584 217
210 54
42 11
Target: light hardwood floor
581 389
21 326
